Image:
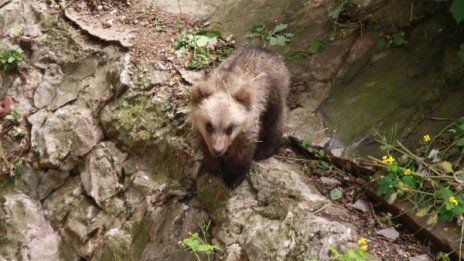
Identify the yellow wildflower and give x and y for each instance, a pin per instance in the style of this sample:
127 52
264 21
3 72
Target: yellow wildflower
407 172
388 160
453 200
362 244
426 138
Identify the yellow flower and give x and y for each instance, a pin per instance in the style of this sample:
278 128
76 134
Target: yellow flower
388 160
453 200
362 244
407 172
426 138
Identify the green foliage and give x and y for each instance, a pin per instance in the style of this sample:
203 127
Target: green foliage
314 47
276 36
198 245
11 57
207 48
318 153
457 10
18 132
15 115
179 24
461 53
336 194
350 255
426 178
19 167
385 41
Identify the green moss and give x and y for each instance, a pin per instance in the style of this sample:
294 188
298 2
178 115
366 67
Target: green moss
140 239
212 193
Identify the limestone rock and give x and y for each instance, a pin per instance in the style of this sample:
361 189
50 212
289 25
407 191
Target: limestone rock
273 218
102 173
25 233
60 138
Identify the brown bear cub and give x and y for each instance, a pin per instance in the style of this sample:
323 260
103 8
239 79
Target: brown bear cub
238 112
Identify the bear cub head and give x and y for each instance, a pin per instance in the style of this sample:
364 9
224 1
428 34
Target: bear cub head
219 115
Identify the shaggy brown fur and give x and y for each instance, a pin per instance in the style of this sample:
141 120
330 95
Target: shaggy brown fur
238 112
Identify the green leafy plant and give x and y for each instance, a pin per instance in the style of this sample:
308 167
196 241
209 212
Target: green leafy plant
430 179
306 144
350 255
385 41
276 36
197 244
15 115
314 47
457 10
11 57
18 132
207 48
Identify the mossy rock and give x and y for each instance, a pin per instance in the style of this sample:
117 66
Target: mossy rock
212 192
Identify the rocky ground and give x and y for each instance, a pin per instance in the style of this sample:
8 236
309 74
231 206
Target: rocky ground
107 167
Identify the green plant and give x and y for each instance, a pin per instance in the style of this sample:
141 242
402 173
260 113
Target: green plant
19 167
18 132
457 10
158 26
11 57
15 115
306 144
350 255
276 36
385 41
207 48
430 178
314 47
179 24
198 245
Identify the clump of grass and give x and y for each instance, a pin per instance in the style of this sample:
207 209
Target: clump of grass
207 48
11 57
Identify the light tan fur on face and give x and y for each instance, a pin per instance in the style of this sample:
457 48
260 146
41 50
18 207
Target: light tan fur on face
222 111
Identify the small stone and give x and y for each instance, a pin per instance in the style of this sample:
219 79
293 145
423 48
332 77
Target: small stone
361 205
423 257
191 76
331 182
108 23
100 7
389 233
185 207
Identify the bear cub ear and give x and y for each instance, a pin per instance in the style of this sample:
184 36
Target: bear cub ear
201 91
244 97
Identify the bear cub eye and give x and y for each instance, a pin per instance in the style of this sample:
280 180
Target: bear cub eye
229 130
209 127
